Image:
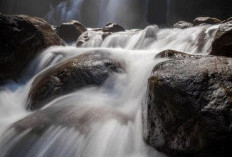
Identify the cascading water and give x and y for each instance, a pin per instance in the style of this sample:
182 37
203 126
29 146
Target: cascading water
107 118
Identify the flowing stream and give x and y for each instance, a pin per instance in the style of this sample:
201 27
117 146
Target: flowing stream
112 111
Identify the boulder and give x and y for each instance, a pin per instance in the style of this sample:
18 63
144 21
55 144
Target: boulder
99 34
182 25
21 39
78 72
113 27
222 43
228 20
189 106
172 54
70 31
90 35
206 20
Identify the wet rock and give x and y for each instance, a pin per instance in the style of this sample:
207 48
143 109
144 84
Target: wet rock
172 54
183 25
95 35
21 39
98 35
70 31
222 43
228 20
113 27
206 20
81 71
189 107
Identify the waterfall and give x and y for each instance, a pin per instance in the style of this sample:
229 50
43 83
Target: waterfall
110 115
97 13
65 11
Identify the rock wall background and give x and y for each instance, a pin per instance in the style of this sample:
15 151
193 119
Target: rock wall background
187 10
162 12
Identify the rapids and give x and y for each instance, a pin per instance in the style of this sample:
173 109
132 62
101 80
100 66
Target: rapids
113 110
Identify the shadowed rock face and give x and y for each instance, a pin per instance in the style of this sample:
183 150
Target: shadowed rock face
189 106
160 12
206 20
222 44
70 31
21 39
81 71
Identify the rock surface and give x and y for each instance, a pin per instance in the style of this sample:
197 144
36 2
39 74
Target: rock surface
113 27
70 31
222 43
228 20
98 35
21 39
172 54
90 35
189 107
81 71
206 20
182 25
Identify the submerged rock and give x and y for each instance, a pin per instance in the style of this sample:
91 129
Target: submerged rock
99 34
222 43
70 31
182 25
90 35
81 71
206 20
21 39
61 124
189 107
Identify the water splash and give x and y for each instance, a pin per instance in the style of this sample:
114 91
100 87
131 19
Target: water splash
192 40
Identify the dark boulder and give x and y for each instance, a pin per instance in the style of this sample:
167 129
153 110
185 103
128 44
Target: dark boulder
206 20
182 25
21 39
228 20
222 43
113 27
189 107
70 31
81 71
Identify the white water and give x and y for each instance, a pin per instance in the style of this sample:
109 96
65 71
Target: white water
113 110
